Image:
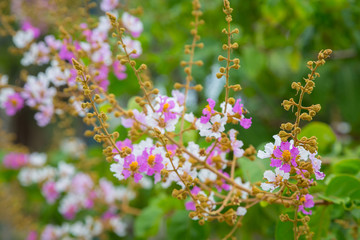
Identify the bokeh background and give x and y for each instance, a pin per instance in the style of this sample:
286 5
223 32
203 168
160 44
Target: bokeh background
276 40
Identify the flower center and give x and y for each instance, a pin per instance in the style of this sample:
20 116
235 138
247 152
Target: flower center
134 166
151 160
302 199
208 108
286 155
278 178
166 106
13 102
216 127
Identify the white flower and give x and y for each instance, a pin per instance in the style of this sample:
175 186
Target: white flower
241 211
37 159
131 45
22 38
119 226
117 169
133 24
205 175
4 79
269 148
213 128
246 185
189 117
274 179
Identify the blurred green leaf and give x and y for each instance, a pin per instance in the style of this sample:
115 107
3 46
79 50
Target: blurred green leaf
147 224
320 221
180 226
284 230
348 166
341 188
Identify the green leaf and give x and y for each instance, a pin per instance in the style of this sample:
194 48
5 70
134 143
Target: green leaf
341 188
320 222
180 226
147 224
284 230
253 171
349 166
325 135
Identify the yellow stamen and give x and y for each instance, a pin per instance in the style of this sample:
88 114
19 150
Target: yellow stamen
151 160
134 166
208 108
302 199
286 155
166 106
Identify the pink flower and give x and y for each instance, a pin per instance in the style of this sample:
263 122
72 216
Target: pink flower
132 45
15 160
33 235
208 111
44 116
13 104
134 167
119 70
153 163
81 183
307 202
49 191
239 109
167 107
26 26
133 24
108 5
284 157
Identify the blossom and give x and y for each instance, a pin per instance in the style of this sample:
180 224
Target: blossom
307 202
119 70
284 156
316 164
133 24
49 191
28 27
15 160
37 91
130 46
108 5
213 128
269 148
236 144
13 104
22 38
207 111
44 116
274 179
241 211
153 159
37 54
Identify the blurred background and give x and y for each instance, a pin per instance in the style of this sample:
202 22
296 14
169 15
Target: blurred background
276 40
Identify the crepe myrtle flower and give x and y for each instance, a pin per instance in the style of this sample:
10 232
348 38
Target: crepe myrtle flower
306 202
269 148
316 164
213 128
133 24
239 112
13 104
236 144
167 106
134 166
207 111
274 179
284 156
153 162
